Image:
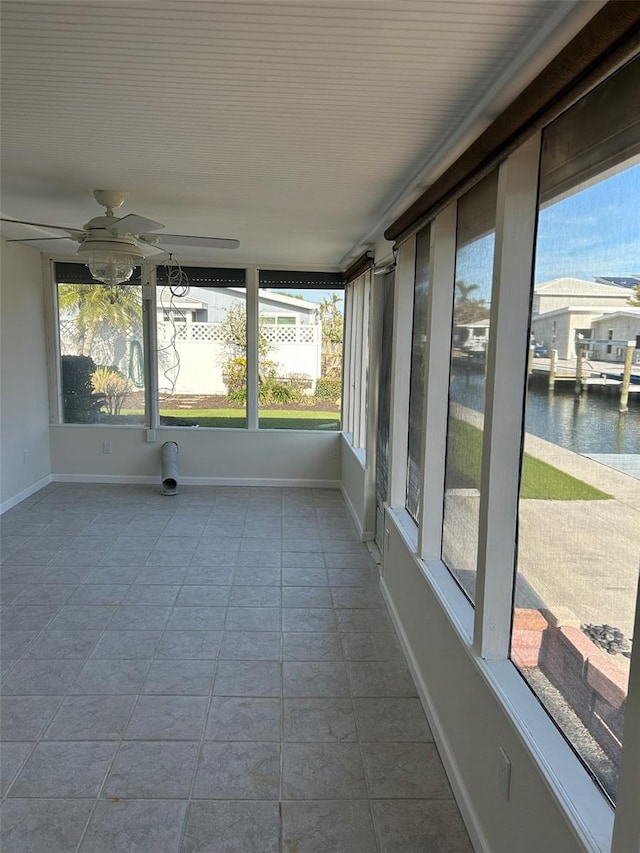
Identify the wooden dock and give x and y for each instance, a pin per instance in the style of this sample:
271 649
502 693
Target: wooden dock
590 376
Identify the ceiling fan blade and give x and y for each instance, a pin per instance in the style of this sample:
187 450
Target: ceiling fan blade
134 224
73 232
202 242
150 248
35 239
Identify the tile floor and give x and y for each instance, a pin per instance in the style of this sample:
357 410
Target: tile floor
214 671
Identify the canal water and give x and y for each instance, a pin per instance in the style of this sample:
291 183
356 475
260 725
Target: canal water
593 425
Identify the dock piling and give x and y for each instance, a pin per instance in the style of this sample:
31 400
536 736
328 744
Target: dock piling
578 383
626 378
552 368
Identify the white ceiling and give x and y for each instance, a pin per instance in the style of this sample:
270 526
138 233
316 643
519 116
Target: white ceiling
300 128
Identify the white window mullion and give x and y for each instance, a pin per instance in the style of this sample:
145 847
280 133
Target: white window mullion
374 336
347 360
361 413
401 373
52 340
357 384
150 343
504 400
442 263
252 297
353 357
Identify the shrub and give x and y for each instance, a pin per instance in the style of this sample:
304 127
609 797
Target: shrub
234 377
80 405
299 382
271 387
329 388
274 390
111 384
270 390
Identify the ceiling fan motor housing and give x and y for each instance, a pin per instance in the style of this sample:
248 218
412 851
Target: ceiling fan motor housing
100 240
111 199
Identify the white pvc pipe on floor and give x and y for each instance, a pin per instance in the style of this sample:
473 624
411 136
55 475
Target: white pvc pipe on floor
169 468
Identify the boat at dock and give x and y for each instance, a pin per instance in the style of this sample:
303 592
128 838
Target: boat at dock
634 379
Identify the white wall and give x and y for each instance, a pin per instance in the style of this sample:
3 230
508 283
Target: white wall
24 406
206 455
202 362
355 489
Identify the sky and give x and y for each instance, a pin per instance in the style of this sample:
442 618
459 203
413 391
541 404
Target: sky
591 233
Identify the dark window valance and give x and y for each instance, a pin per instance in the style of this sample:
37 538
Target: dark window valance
78 273
301 280
207 276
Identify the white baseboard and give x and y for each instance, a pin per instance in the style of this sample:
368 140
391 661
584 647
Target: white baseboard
365 535
352 511
25 493
469 815
196 481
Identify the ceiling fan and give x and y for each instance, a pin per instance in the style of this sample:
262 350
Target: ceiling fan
111 246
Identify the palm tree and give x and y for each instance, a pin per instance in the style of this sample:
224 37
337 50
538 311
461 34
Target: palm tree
118 307
467 310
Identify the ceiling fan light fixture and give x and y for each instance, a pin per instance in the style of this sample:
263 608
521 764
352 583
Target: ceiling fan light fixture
111 261
111 269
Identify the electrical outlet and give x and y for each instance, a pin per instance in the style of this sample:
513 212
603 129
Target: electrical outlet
25 457
106 447
504 773
151 436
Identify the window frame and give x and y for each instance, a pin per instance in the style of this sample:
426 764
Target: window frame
485 632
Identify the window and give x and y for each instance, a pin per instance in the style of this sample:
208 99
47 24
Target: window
416 393
470 339
299 357
101 348
202 374
356 359
579 506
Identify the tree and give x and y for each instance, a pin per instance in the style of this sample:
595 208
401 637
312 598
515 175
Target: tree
118 308
234 333
234 336
467 310
332 334
635 299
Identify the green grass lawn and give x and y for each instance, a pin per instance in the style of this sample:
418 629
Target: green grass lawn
539 479
235 418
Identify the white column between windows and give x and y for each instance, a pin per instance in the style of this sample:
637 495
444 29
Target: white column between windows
442 263
504 398
52 340
347 402
373 382
361 413
401 373
357 379
150 343
252 298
